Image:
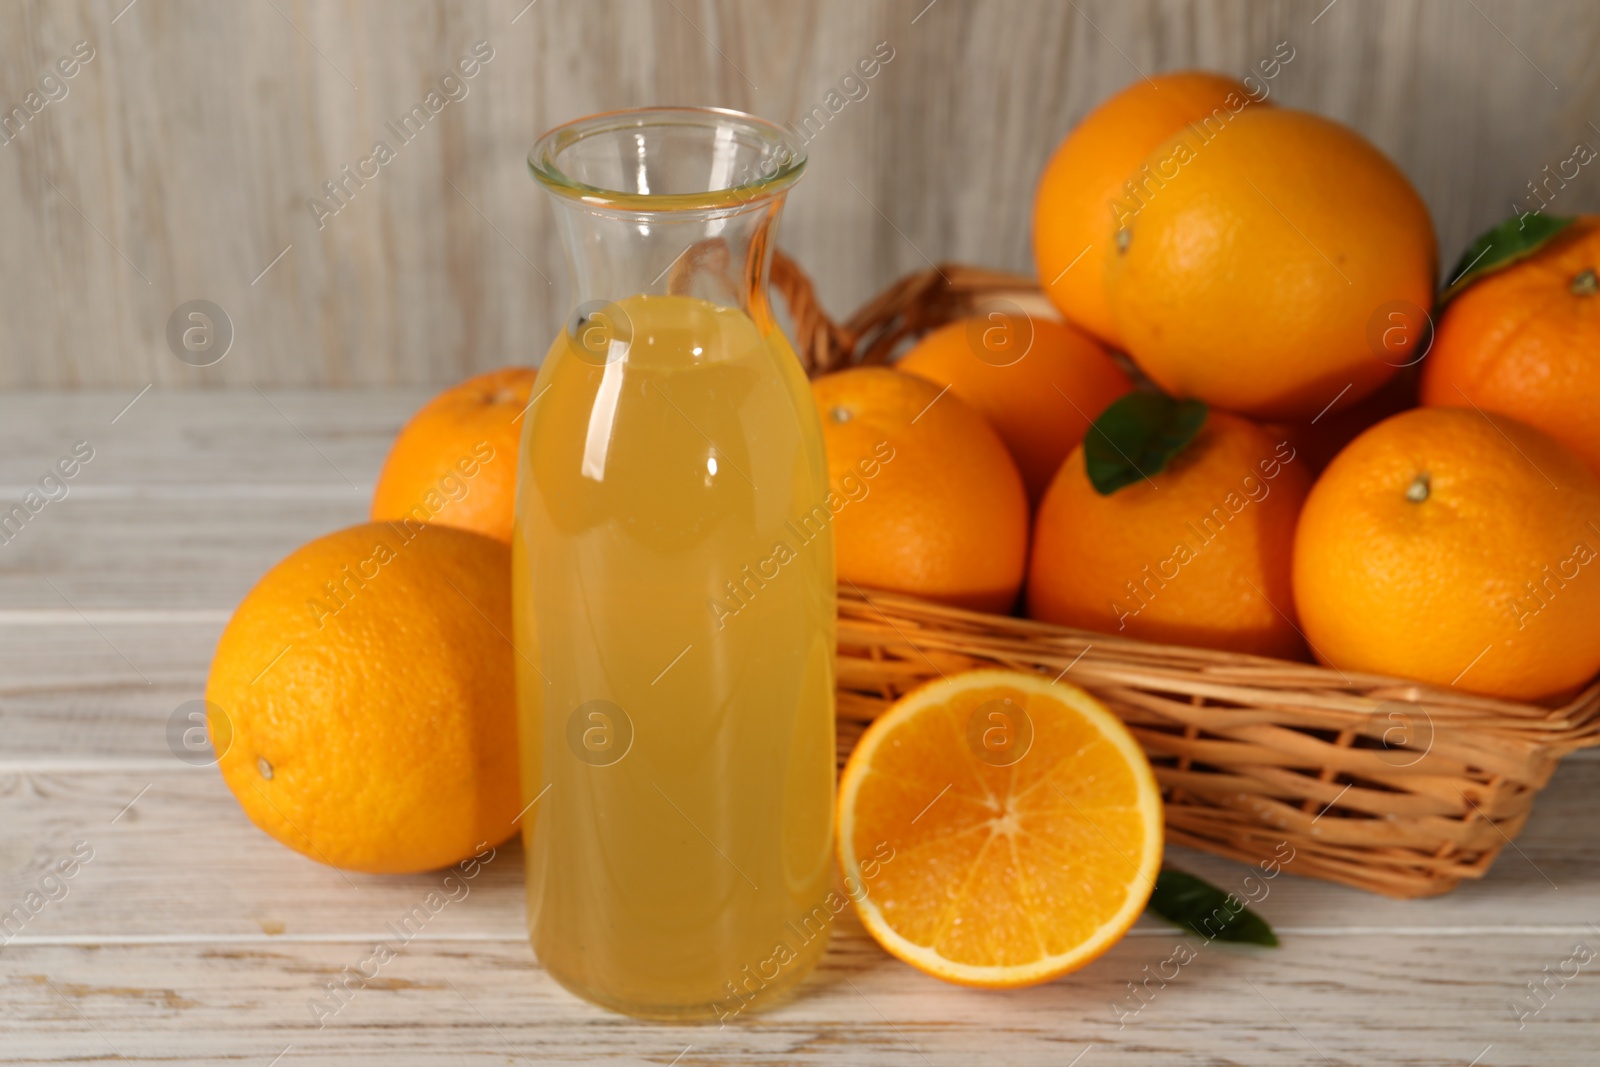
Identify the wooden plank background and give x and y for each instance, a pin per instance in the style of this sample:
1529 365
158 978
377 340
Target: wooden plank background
179 161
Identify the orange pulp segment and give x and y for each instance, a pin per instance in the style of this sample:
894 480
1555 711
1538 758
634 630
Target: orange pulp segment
997 829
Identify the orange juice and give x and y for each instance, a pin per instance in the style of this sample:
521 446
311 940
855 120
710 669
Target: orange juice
674 626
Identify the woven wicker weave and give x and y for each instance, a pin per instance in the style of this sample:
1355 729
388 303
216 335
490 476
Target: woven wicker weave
1381 783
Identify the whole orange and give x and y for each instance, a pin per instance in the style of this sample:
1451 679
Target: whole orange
1456 548
1280 265
1198 554
1039 383
455 462
1525 341
927 500
366 684
1083 192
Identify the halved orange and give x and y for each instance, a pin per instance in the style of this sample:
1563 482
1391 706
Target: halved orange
998 829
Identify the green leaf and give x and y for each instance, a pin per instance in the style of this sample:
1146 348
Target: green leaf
1137 436
1184 900
1516 238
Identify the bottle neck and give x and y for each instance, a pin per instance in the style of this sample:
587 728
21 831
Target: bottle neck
723 257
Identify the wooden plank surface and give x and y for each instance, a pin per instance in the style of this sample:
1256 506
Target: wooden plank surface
441 1001
180 162
168 443
188 936
185 821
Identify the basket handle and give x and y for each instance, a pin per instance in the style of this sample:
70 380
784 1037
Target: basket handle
910 307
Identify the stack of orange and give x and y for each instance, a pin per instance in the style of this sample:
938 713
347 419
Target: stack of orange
1217 444
1268 485
1273 273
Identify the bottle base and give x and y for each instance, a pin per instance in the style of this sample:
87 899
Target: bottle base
773 993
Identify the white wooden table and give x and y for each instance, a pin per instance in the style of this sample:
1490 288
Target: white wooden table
187 936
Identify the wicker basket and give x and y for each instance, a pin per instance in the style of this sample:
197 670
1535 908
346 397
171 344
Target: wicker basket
1380 783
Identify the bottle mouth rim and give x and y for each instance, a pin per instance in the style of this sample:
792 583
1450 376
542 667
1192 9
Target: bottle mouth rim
787 157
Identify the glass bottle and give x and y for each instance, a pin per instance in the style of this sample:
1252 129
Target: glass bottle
674 592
